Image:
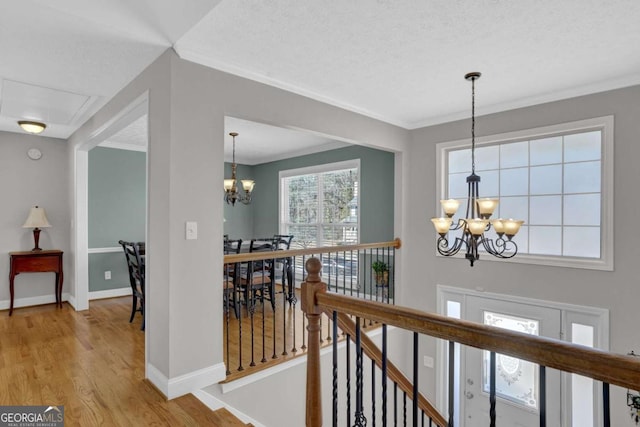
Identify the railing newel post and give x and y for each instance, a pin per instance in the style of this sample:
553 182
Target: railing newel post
309 289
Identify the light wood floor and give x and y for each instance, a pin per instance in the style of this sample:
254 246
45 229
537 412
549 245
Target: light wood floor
92 362
284 336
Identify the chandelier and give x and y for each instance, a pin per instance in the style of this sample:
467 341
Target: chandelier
231 194
476 224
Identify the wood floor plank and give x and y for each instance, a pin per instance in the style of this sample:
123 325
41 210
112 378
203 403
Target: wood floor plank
92 362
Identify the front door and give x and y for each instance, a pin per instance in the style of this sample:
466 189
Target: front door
517 381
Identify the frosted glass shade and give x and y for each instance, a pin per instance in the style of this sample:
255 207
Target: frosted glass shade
512 226
229 184
498 226
442 225
476 226
37 218
248 184
31 126
450 206
486 207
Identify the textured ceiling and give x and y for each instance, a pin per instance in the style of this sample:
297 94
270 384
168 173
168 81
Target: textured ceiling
402 62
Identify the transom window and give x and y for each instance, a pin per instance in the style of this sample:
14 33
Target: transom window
557 179
319 204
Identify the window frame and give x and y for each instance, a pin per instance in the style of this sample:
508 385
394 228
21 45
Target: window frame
605 124
317 169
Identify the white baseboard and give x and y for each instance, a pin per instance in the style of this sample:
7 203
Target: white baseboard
214 404
110 293
187 383
31 301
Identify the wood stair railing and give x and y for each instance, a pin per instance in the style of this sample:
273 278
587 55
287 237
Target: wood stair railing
372 351
609 368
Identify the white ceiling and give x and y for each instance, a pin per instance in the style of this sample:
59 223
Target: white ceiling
402 62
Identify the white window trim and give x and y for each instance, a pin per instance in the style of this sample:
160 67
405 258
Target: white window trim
308 170
604 124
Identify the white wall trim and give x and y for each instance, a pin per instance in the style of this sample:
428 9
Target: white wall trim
105 250
214 404
110 293
123 146
32 301
187 383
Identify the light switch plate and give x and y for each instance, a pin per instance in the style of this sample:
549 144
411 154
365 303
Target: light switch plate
191 230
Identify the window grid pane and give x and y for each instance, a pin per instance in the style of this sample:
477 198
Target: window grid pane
552 183
321 209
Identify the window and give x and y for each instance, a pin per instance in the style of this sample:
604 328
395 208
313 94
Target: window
557 179
319 205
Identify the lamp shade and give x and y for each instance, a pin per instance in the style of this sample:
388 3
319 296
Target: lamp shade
37 218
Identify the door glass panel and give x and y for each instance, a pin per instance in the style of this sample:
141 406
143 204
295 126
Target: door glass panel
516 379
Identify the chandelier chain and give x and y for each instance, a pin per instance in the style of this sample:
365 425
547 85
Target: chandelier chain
473 125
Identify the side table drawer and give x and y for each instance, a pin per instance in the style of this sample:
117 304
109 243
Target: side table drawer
36 264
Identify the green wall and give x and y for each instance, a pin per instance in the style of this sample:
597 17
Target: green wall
117 210
376 197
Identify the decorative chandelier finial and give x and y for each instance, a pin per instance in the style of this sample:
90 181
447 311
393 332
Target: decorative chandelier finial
231 194
479 210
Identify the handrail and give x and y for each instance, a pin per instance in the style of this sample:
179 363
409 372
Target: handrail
372 351
255 256
620 370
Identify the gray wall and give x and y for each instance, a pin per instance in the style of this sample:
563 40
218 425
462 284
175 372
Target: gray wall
187 106
25 183
117 210
616 290
376 197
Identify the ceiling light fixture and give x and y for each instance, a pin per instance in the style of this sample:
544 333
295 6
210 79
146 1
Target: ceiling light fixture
479 210
231 194
31 126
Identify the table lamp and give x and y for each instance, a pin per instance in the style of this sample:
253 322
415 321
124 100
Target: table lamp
37 218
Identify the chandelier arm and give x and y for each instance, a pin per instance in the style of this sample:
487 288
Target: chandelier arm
499 248
445 250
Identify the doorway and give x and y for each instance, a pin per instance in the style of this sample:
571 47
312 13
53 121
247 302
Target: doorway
517 382
572 400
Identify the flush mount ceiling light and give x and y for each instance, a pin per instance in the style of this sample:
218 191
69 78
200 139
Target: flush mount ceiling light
476 223
31 126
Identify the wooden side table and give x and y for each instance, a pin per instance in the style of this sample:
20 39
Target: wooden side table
37 262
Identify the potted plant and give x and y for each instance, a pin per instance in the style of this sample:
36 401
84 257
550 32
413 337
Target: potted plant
381 270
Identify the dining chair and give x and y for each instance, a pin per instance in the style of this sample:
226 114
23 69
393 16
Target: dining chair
257 277
231 276
282 242
133 252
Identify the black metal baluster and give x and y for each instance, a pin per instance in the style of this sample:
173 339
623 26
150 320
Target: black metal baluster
348 379
605 405
384 375
240 367
226 302
452 362
395 404
404 408
252 310
292 300
422 424
492 389
284 311
264 359
360 420
415 379
543 395
373 393
335 369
